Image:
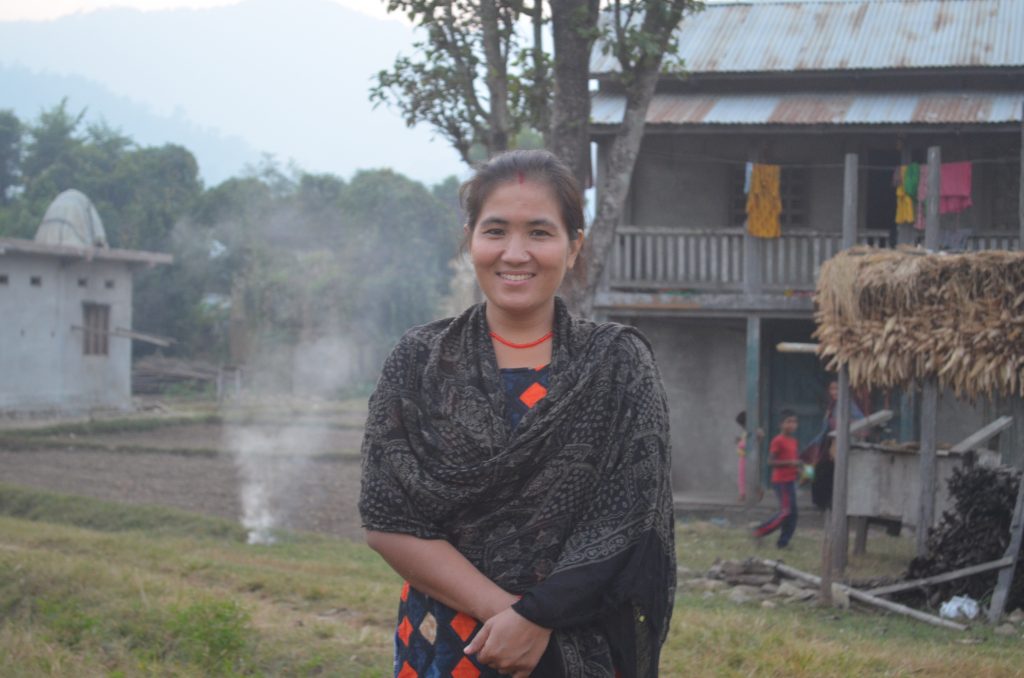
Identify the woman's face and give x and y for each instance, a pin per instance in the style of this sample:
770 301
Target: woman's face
520 248
833 390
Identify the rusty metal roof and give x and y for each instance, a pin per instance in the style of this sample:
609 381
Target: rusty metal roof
848 108
850 35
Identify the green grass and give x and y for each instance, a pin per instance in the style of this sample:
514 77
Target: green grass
90 588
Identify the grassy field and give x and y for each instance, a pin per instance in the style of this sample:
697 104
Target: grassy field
89 588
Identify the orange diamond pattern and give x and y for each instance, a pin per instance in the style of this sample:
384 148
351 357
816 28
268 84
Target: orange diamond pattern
405 592
532 395
464 625
465 669
405 630
407 671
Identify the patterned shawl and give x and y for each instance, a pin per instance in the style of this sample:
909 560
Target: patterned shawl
572 509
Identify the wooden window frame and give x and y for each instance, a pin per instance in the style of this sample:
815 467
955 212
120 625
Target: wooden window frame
792 192
96 324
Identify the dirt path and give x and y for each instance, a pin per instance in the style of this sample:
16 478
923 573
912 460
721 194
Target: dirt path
300 490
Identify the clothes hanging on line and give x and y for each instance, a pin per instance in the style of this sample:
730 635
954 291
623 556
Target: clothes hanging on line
764 202
954 190
904 203
748 169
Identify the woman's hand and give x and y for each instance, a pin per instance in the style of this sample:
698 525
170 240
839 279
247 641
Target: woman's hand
510 643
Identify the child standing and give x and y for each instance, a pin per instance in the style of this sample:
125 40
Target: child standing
741 455
785 463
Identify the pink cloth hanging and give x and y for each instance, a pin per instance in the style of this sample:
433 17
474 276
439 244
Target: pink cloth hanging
954 190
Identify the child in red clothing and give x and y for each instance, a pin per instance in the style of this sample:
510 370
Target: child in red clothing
785 463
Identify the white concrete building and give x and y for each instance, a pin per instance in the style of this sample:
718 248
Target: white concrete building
66 314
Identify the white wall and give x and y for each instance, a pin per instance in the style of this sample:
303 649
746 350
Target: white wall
41 356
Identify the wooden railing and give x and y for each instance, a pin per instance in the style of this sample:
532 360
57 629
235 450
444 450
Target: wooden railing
992 241
713 259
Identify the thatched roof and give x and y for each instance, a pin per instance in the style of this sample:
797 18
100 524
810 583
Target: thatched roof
896 316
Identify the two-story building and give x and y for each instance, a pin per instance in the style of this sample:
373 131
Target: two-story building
799 85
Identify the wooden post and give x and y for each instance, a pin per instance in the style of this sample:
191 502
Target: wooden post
1020 202
752 251
860 543
930 389
908 407
1015 453
931 223
926 500
995 610
753 479
850 201
840 529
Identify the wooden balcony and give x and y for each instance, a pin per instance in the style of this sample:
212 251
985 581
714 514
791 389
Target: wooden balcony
713 260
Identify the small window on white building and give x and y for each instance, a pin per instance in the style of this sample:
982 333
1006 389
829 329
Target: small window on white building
109 284
36 281
3 278
83 282
96 319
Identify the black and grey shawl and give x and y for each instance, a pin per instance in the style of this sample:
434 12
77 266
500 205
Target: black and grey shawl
572 509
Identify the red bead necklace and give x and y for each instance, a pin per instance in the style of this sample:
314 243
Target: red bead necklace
503 340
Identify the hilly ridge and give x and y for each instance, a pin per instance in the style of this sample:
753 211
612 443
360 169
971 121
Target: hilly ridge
287 78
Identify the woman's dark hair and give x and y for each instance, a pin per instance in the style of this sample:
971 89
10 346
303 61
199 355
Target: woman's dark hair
541 166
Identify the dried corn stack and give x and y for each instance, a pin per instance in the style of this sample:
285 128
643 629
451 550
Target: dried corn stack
894 316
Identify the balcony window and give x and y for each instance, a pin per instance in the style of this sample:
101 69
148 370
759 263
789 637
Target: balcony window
792 191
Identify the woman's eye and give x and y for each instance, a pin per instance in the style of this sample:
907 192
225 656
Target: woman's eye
494 231
540 233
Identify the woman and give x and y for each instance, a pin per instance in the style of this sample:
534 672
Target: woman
821 452
516 461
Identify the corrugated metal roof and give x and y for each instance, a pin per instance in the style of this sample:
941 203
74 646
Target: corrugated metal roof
928 108
856 35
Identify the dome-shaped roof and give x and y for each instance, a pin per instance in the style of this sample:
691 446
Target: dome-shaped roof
72 220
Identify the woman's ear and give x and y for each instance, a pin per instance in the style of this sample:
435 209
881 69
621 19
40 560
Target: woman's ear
575 246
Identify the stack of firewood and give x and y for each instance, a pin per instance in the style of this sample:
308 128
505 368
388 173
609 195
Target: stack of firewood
977 530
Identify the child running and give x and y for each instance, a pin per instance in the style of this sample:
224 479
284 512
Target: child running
785 463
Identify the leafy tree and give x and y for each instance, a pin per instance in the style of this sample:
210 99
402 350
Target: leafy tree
53 154
11 131
474 80
442 87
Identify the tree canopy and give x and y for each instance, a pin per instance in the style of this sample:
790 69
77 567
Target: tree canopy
276 254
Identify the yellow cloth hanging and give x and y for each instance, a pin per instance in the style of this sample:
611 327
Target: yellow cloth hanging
904 203
764 204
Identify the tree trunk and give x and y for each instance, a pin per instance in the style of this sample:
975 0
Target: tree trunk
573 29
497 78
641 67
614 186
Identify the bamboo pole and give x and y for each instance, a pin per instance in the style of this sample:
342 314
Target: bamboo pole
939 578
866 597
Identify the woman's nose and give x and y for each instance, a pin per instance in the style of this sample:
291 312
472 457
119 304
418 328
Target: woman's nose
516 250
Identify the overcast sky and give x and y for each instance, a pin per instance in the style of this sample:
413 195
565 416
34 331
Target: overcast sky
19 10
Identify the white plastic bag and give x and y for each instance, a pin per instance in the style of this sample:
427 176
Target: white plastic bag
959 606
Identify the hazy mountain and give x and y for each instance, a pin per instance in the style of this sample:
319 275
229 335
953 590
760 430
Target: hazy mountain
27 93
288 77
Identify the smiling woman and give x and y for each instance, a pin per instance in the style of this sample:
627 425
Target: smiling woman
515 461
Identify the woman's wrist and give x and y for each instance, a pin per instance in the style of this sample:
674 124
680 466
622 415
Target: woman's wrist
493 604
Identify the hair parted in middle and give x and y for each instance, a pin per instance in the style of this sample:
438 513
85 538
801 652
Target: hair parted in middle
540 166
